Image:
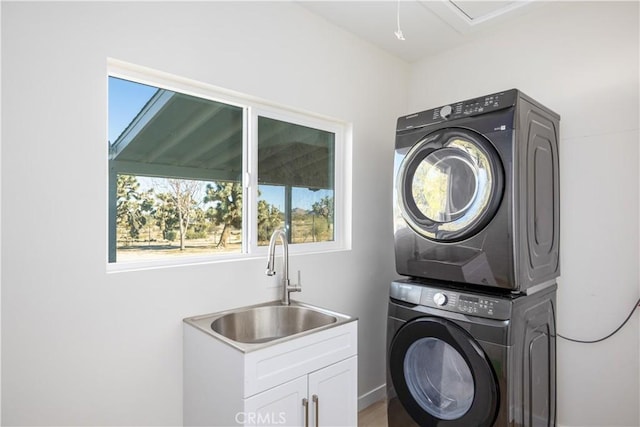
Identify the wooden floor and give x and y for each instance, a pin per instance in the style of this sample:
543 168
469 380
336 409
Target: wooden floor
374 415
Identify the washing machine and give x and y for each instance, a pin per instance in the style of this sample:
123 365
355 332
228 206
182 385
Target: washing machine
476 193
462 358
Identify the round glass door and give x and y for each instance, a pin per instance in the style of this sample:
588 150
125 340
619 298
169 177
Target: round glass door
441 375
450 185
445 184
438 378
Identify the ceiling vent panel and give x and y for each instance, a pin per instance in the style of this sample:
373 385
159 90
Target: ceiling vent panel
468 15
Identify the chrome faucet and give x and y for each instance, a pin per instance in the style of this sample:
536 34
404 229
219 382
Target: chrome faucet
287 288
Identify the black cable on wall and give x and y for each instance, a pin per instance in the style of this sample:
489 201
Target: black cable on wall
608 336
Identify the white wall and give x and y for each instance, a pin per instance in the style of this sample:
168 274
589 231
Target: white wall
83 347
80 346
581 60
0 231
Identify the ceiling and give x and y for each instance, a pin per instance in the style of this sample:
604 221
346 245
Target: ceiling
428 26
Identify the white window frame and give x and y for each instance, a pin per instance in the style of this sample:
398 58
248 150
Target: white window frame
252 109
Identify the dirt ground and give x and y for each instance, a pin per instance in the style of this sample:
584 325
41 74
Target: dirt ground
157 248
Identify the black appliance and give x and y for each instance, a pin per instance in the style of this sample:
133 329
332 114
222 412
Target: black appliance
476 191
461 358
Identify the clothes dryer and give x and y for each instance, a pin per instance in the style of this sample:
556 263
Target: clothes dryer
476 193
460 358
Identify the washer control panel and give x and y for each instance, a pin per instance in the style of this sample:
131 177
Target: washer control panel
470 107
472 304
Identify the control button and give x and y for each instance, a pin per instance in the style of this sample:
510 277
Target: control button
445 111
440 299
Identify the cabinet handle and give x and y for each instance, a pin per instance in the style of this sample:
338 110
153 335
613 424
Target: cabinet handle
305 403
316 401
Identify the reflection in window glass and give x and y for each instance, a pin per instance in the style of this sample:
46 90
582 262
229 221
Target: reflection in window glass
445 185
175 165
300 162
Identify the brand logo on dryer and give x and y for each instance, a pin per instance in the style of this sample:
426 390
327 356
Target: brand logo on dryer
502 127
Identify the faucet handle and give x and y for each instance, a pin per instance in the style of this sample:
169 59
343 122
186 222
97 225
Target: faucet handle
297 287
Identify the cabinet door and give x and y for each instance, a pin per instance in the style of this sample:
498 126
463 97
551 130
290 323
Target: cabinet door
333 395
278 406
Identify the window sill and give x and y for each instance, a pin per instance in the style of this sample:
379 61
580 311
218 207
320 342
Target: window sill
188 261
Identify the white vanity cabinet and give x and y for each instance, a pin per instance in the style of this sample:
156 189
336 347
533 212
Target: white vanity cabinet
333 394
327 397
294 382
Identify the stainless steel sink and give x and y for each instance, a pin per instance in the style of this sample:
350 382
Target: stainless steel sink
258 326
263 324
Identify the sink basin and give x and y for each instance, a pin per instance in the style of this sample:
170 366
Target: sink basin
258 326
263 324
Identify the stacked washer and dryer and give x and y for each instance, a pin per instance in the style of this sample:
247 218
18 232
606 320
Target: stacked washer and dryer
471 327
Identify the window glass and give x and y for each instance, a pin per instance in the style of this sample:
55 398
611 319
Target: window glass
175 164
186 163
270 211
299 162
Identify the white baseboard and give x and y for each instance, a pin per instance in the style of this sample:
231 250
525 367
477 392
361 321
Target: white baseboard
372 396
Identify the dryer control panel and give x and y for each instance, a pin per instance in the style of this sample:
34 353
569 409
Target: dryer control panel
470 107
472 304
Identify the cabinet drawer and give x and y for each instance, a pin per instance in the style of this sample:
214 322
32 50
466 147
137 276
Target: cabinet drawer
275 365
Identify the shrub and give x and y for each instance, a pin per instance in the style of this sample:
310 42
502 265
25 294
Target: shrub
192 234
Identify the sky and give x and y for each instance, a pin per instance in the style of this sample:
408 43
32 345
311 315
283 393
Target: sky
126 99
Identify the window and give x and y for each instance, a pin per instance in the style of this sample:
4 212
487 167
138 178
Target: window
195 172
296 181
